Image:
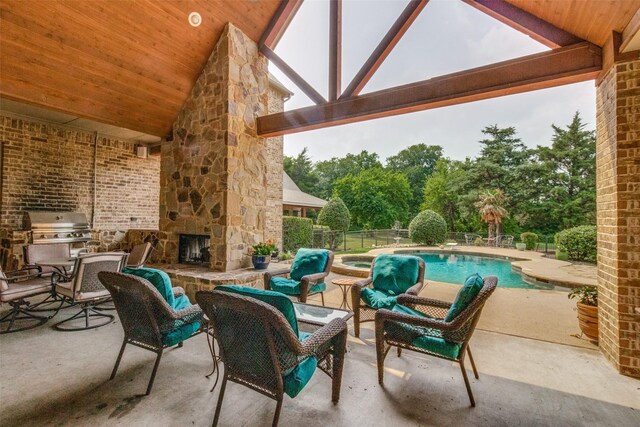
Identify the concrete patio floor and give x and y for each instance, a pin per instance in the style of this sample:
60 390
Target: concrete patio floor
55 378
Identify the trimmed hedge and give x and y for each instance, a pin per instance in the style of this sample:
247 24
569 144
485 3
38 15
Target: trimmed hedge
335 215
529 239
428 228
296 233
580 243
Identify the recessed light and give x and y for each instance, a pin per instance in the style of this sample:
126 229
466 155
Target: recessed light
195 19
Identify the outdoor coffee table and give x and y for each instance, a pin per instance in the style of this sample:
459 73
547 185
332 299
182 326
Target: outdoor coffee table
318 315
61 264
345 285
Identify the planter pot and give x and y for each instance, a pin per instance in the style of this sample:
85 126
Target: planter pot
521 246
588 320
260 262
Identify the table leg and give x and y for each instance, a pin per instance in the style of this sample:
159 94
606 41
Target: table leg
345 300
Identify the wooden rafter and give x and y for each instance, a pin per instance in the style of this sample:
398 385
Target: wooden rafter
279 23
335 49
571 64
384 48
541 31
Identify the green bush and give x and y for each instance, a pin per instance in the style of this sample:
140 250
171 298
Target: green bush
529 239
428 228
296 233
335 216
580 243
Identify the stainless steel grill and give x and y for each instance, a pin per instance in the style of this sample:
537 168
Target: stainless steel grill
58 227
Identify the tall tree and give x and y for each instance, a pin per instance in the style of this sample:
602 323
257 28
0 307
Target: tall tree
441 191
416 162
491 207
300 169
329 171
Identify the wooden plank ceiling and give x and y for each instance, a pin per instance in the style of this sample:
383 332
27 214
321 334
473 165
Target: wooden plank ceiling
127 63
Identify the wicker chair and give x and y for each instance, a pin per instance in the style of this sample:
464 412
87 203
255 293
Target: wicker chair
84 288
148 320
304 284
427 331
14 290
139 255
261 351
365 313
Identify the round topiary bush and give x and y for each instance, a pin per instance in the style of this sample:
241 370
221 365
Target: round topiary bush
580 243
428 228
529 239
335 215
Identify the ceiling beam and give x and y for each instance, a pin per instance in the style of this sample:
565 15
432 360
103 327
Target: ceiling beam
335 49
279 23
539 30
384 48
631 31
571 64
292 75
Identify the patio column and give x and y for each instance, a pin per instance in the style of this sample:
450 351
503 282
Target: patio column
618 209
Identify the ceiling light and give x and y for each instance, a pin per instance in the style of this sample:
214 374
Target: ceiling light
195 19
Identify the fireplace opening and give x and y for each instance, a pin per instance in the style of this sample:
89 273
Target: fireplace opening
194 249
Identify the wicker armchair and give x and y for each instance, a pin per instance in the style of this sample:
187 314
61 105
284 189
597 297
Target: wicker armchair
14 290
305 277
427 330
260 349
365 313
139 255
148 320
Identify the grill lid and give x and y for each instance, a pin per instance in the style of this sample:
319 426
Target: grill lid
58 227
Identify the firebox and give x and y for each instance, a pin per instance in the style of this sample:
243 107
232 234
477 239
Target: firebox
194 249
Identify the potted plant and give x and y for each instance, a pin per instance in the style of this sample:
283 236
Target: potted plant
261 256
587 307
521 246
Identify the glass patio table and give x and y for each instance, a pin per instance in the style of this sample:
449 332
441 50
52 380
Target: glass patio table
318 315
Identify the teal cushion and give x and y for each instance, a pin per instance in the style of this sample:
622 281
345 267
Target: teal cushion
298 377
273 298
309 261
428 339
292 287
378 299
158 278
395 273
465 296
176 336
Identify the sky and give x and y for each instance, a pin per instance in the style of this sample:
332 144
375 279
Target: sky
448 36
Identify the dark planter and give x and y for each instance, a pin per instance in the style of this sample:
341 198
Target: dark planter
260 262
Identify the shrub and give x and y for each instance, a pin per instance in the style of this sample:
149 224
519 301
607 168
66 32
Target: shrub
428 228
529 239
296 233
580 243
336 217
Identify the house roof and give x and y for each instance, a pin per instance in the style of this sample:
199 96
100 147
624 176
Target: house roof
292 195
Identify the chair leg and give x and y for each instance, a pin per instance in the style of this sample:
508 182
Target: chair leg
276 416
466 383
322 297
180 344
381 353
115 368
219 405
153 374
473 365
339 349
19 313
399 352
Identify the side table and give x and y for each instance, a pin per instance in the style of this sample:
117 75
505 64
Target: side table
345 285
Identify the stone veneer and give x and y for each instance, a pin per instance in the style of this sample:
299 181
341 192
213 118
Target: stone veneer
213 172
618 211
273 214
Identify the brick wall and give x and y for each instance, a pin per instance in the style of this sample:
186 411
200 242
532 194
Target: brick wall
50 167
273 214
618 203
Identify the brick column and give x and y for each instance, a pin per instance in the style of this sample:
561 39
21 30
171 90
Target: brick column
618 201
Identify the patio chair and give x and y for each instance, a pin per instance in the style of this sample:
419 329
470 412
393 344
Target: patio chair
15 290
390 276
305 276
505 241
470 239
43 252
84 288
139 255
262 349
433 327
149 321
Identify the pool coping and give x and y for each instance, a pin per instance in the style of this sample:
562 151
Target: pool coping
533 266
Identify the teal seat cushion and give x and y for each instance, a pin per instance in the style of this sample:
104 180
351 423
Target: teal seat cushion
292 287
378 299
427 339
275 299
158 278
176 336
466 295
297 378
309 261
395 274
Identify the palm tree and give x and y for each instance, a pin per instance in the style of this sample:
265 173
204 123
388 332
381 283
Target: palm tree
491 208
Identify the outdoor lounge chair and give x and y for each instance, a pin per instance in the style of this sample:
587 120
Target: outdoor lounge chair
390 276
139 255
14 290
148 319
433 327
305 277
261 347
